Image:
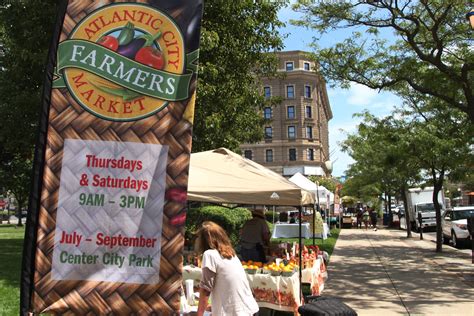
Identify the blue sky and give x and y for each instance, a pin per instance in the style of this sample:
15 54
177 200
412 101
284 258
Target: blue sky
344 102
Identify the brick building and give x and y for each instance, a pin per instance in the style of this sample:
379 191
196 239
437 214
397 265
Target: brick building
296 137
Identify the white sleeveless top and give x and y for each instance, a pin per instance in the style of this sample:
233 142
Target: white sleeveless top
231 294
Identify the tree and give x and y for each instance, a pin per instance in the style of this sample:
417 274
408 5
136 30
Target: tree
25 30
431 51
15 175
235 36
440 141
383 161
327 182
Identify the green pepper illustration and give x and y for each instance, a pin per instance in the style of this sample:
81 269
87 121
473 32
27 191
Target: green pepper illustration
127 34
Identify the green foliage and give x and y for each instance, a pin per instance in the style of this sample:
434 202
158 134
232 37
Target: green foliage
25 31
428 51
231 220
15 176
383 163
424 142
327 182
11 248
235 38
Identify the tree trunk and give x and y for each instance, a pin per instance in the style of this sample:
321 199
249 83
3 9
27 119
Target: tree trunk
437 187
18 213
407 213
388 208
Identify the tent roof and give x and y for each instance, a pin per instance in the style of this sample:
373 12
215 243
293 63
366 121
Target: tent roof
222 176
305 183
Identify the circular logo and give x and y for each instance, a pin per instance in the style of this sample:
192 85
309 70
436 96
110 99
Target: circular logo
125 62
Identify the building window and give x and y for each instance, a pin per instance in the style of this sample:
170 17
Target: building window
248 154
309 132
290 92
292 154
289 66
310 154
267 92
268 132
307 92
267 113
308 112
269 155
306 66
290 112
291 132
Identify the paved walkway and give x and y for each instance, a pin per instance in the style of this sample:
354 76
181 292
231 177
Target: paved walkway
383 273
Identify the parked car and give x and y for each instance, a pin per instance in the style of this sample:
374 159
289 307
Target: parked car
454 223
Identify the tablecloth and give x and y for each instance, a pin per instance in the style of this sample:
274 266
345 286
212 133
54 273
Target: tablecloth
276 292
283 230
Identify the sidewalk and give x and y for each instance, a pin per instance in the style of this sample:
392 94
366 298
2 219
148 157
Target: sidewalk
383 273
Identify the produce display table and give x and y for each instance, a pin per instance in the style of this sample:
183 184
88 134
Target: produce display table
283 230
276 292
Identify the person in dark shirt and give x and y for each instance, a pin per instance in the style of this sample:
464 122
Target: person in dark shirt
359 217
373 218
292 218
255 237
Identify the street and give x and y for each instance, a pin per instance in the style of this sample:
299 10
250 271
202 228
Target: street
431 236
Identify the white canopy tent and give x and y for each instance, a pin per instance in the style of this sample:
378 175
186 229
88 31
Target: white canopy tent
222 176
323 193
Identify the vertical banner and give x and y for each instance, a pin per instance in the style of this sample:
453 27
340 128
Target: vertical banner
105 230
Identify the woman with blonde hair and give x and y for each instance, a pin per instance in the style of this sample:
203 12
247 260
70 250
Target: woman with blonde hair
223 276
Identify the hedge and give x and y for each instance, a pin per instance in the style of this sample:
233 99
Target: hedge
231 220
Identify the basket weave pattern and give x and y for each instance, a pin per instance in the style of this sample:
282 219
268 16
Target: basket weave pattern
67 119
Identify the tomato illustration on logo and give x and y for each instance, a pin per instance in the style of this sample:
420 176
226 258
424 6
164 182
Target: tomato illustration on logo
109 41
125 62
151 57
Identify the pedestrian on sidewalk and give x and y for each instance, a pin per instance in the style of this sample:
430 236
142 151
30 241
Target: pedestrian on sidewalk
359 217
373 218
366 218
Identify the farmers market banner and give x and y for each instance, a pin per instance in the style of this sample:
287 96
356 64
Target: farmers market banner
105 230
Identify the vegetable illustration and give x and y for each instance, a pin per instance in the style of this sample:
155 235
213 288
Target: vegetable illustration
176 195
109 41
130 50
125 94
127 34
150 56
178 220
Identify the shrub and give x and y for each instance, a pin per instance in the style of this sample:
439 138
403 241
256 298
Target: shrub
269 215
231 220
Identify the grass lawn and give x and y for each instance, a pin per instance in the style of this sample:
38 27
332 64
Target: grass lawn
11 248
324 245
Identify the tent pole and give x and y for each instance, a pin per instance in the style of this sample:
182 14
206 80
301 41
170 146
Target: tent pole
273 215
314 223
300 252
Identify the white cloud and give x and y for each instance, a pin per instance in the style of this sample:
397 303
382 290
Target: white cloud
338 132
361 95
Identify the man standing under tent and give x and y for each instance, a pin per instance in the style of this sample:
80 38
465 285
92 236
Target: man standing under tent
255 237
